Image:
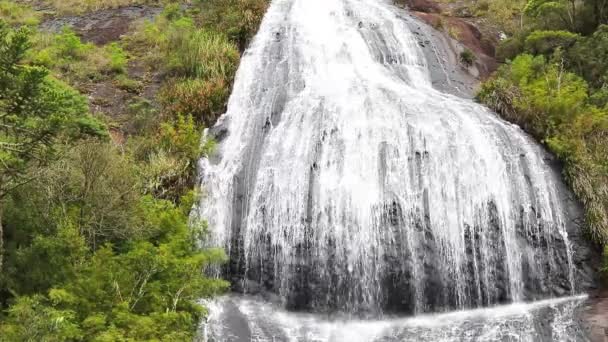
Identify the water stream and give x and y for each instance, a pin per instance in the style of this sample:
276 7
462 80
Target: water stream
346 185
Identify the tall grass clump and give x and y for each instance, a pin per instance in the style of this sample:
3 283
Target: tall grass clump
77 62
17 14
199 63
203 99
238 19
200 54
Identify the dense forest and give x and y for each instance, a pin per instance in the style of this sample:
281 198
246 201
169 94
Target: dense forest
97 243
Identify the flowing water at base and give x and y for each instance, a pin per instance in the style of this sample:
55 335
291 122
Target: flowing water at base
241 318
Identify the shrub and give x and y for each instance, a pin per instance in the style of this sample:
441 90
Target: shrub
199 53
467 58
183 49
145 116
509 48
589 57
203 99
117 58
547 42
17 14
454 32
181 137
554 106
238 19
68 57
128 84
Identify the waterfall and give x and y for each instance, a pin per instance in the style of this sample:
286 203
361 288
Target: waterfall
345 183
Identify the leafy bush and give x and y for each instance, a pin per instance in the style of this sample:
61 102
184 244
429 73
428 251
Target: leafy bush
546 42
467 58
203 99
589 57
505 14
554 106
509 48
128 84
184 49
145 116
71 59
181 137
17 14
145 290
238 19
199 53
172 168
117 58
37 112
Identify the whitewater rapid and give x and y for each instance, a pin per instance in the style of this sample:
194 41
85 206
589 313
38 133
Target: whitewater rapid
345 183
245 319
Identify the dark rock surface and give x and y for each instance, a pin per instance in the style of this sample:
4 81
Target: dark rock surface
595 316
102 26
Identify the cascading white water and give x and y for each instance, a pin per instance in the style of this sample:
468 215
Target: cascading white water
543 321
345 182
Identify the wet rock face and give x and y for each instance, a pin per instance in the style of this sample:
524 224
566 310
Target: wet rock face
327 286
595 316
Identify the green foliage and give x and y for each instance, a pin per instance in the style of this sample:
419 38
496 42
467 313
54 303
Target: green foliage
37 112
505 14
172 165
182 137
71 59
589 57
467 58
117 58
557 14
50 260
558 92
547 42
17 14
554 105
105 260
187 50
509 48
144 289
33 319
238 19
203 99
99 245
199 53
128 84
145 116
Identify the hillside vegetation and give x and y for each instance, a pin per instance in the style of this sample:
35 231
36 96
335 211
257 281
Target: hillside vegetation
554 83
96 241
